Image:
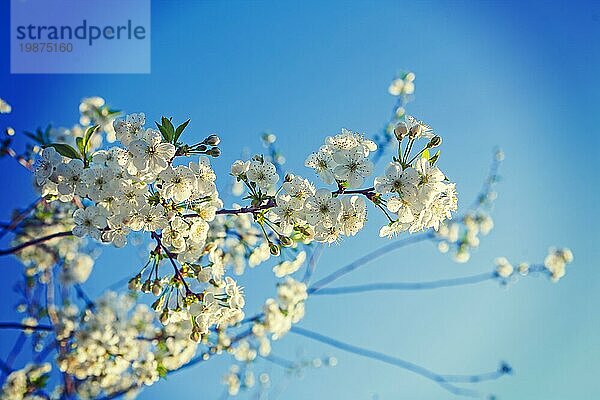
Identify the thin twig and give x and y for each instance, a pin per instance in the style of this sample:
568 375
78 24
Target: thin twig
383 286
398 362
20 326
83 296
16 349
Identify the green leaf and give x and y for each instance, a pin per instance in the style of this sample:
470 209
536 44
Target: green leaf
65 150
86 138
166 122
166 129
80 145
180 130
169 130
89 132
163 132
425 154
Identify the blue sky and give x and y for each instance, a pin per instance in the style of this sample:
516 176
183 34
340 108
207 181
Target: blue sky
520 75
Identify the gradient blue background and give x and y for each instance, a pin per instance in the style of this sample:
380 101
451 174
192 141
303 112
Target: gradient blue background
521 75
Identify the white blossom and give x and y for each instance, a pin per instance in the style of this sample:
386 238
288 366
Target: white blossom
150 153
504 269
47 165
556 261
352 167
263 173
89 222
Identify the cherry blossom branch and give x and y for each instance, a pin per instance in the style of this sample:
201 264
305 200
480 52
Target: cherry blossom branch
384 286
368 192
250 209
398 362
488 183
42 239
244 210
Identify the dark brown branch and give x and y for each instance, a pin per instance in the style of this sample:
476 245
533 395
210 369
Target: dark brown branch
17 325
34 242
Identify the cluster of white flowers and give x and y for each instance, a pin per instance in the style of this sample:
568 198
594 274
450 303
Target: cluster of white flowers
134 188
403 85
320 215
556 262
420 194
215 299
280 314
24 383
301 211
504 269
464 234
117 346
554 265
343 158
237 379
137 188
221 304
